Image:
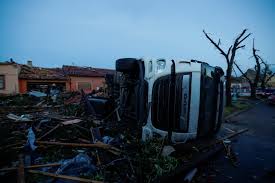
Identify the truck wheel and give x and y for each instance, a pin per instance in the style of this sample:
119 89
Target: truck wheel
127 65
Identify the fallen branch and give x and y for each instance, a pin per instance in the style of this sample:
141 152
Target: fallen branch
64 176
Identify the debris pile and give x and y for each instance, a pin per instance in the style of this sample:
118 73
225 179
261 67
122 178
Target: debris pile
57 140
63 140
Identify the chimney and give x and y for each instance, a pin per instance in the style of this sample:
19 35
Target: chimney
29 63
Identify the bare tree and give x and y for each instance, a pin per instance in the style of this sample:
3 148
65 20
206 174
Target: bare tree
266 75
253 82
229 57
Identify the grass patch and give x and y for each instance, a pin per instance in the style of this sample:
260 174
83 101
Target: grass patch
237 106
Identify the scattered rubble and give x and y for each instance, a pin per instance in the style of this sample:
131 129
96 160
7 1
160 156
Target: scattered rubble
62 141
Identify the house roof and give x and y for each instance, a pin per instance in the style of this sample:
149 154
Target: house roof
8 63
38 73
86 71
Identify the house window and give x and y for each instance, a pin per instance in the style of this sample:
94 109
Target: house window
2 82
84 86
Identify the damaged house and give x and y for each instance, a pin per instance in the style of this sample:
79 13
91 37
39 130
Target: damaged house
85 78
9 72
40 79
20 78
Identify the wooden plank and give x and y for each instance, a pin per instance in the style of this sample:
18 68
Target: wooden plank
50 131
233 134
21 170
95 145
69 122
57 126
220 141
229 129
41 166
32 166
64 176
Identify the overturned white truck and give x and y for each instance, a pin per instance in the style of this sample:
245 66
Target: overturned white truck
181 100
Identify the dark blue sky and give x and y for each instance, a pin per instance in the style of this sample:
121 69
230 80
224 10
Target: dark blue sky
96 32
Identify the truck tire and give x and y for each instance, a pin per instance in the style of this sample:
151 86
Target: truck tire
127 65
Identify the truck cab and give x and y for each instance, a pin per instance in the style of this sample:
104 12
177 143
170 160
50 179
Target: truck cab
181 100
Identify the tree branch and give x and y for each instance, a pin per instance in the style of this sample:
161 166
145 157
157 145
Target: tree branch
254 54
239 42
238 47
234 71
269 78
243 73
241 35
257 66
216 45
263 62
228 52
